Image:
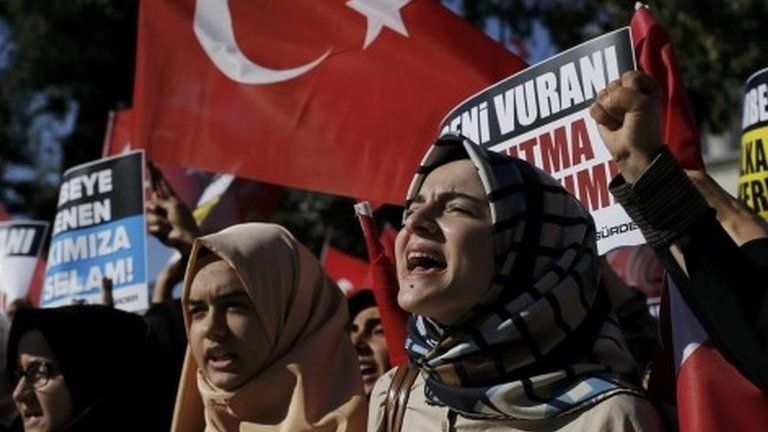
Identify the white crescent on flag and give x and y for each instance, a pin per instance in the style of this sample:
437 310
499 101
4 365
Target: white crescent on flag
213 28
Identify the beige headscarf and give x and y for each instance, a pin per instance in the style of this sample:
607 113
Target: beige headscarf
309 379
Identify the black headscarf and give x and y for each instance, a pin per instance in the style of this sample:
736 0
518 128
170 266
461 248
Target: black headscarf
108 359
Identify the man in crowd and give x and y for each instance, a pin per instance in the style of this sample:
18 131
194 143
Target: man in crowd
367 336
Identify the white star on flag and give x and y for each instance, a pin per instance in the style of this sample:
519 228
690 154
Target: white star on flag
380 13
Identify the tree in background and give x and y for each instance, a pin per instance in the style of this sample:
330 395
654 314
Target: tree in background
718 43
64 65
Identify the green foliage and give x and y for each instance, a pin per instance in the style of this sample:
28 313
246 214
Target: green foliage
318 220
66 51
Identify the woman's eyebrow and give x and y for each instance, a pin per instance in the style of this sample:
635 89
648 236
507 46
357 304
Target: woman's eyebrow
228 295
193 302
233 295
449 195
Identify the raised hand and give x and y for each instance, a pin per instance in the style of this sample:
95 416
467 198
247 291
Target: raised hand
628 119
170 220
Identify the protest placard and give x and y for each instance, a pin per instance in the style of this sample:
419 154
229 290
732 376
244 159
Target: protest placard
753 166
99 231
541 114
20 245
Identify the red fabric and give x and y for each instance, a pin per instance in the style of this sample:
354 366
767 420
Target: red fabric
119 132
713 396
639 268
387 239
349 273
188 186
382 274
244 201
655 56
357 124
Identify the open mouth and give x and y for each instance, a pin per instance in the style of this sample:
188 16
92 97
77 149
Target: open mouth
367 368
31 416
423 262
220 359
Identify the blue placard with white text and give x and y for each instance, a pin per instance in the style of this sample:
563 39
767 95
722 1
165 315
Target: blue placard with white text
99 231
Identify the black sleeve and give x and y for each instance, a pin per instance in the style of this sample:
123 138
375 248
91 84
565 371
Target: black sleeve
726 289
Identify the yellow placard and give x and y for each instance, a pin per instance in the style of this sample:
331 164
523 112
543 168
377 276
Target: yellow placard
753 170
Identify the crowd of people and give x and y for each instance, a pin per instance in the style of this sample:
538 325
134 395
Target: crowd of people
516 323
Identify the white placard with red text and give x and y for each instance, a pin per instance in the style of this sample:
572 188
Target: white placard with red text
541 114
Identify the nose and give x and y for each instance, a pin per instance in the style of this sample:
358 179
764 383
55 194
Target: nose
422 220
215 325
23 393
360 342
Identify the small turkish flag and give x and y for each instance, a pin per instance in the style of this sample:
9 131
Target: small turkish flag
655 56
334 96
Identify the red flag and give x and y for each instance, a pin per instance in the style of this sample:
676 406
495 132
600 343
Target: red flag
243 201
349 273
639 268
384 285
187 184
337 96
711 394
656 57
119 133
387 240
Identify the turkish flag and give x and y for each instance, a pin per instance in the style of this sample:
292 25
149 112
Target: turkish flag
349 273
655 56
187 184
712 395
119 133
243 201
337 96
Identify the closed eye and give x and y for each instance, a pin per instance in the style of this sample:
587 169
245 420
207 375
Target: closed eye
455 208
378 330
240 307
196 308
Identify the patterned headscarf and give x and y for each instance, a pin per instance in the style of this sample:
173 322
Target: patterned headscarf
544 341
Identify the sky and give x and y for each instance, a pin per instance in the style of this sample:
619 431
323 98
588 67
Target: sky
539 44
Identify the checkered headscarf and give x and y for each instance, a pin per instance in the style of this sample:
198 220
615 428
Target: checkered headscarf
544 341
